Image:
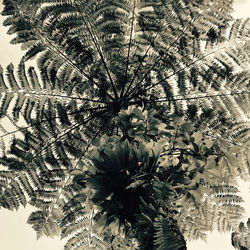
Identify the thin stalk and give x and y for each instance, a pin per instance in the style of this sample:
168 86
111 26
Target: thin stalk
197 97
161 56
68 60
129 48
71 97
169 76
99 51
45 120
77 125
69 179
227 141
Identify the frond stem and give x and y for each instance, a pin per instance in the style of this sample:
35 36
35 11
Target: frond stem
77 125
99 51
68 60
51 118
129 48
197 97
70 97
176 72
69 179
161 57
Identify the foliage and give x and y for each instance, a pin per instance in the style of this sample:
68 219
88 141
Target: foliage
129 135
240 237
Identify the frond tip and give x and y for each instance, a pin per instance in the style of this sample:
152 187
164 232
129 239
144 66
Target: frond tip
168 235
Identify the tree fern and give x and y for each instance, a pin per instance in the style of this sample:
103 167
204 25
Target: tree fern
117 78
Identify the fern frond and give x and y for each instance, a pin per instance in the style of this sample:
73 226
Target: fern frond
98 62
167 235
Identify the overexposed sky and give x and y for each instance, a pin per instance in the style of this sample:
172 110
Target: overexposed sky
15 234
242 8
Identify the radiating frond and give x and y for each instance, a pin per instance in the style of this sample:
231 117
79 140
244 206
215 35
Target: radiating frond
136 110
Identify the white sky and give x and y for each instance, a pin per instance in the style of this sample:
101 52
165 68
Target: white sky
15 234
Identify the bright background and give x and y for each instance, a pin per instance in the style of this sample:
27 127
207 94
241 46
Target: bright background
15 234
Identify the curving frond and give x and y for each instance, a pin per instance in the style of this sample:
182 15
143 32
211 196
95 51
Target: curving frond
168 236
240 237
